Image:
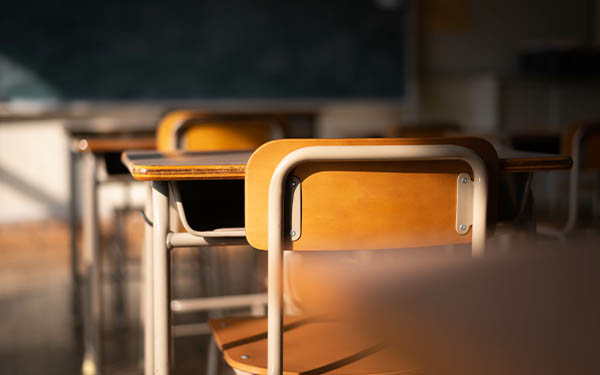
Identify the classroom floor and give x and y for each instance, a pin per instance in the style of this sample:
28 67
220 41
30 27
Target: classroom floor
40 334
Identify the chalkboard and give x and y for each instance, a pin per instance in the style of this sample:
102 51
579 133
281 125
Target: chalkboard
203 49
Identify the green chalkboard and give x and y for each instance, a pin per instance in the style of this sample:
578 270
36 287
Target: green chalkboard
203 49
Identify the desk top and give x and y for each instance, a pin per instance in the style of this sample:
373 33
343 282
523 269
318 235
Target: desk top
158 166
110 135
113 144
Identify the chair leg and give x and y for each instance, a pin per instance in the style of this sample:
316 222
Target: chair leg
212 361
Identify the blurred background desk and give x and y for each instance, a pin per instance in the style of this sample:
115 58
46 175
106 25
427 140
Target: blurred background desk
99 145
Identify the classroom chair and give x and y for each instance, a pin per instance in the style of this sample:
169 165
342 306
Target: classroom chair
351 194
195 130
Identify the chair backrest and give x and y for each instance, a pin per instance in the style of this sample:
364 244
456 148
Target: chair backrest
583 139
365 205
195 130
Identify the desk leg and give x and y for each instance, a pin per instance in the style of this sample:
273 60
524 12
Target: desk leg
93 319
161 315
75 279
147 292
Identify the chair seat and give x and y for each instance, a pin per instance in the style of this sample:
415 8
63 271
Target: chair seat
311 345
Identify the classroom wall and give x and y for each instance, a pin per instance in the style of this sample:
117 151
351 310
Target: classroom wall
468 63
486 35
34 174
33 170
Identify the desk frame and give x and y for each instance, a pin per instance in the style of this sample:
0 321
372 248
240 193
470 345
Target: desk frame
156 292
87 296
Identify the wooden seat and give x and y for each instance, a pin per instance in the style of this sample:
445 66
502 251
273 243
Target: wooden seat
312 345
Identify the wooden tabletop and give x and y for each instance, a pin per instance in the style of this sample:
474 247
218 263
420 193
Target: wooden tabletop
157 166
103 135
113 144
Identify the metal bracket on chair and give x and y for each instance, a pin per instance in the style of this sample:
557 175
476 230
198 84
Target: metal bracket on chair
295 208
464 203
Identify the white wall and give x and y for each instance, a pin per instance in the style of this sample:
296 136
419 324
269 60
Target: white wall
34 174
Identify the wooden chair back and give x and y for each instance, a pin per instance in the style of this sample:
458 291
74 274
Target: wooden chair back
368 205
195 130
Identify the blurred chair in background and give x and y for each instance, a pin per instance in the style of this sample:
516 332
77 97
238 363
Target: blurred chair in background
98 143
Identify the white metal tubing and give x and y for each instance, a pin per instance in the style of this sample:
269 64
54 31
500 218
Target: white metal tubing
92 363
351 153
222 302
160 216
147 298
189 240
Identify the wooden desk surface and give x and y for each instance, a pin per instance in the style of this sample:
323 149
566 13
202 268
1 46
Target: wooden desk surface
111 135
157 166
113 144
